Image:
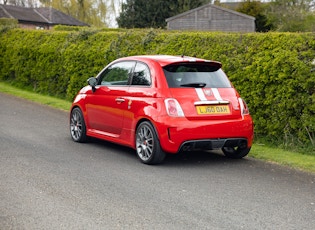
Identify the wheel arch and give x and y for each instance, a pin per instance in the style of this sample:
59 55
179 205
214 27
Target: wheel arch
139 122
77 105
148 120
83 110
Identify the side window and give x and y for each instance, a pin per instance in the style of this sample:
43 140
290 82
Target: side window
117 74
141 75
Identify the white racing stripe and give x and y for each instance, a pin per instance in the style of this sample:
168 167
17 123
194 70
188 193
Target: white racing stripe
216 94
201 94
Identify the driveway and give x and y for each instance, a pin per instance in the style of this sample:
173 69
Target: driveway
49 182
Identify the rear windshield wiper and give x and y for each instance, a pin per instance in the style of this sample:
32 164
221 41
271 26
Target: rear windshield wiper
195 85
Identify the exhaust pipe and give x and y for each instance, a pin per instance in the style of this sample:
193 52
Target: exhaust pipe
186 148
242 144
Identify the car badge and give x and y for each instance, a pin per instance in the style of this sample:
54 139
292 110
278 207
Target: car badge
129 104
207 92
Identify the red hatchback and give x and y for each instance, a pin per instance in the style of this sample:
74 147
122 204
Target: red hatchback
162 104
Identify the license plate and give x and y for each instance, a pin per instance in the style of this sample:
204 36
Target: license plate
213 109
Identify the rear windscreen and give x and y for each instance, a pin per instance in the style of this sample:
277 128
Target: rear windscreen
195 75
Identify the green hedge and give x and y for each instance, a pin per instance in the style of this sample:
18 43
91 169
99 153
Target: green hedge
274 72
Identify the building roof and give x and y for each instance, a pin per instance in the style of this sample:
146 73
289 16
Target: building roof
38 15
212 6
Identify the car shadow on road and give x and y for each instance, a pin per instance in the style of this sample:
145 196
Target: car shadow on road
215 157
200 158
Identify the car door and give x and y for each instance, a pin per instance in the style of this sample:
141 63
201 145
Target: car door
106 106
140 95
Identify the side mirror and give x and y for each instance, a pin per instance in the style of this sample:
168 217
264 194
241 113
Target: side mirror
92 82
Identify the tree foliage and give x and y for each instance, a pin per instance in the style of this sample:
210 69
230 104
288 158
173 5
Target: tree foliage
143 13
292 15
152 14
93 12
25 3
257 10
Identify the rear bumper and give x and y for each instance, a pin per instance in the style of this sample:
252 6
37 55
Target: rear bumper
180 134
211 144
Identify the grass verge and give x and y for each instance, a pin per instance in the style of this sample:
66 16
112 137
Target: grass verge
270 154
283 157
38 98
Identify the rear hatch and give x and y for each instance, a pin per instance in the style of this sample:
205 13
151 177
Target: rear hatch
207 106
203 90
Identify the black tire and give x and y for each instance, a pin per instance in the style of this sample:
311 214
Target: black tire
235 152
77 126
147 144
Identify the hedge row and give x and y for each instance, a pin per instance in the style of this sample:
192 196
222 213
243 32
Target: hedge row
274 72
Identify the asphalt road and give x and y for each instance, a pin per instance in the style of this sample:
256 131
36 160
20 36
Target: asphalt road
49 182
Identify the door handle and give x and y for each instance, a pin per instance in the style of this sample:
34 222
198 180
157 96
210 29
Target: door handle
119 100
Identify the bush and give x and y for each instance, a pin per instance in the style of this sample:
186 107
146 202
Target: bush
274 72
7 24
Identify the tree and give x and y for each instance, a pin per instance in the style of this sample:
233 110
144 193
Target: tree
144 13
292 15
185 5
140 14
25 3
93 12
257 10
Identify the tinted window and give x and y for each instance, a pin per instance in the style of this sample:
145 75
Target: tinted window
117 74
141 75
194 75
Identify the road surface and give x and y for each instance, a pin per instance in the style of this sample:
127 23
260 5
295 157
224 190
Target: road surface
49 182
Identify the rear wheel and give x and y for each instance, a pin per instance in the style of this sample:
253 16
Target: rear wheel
147 144
235 152
77 126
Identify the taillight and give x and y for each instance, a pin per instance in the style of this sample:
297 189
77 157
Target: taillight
173 108
244 107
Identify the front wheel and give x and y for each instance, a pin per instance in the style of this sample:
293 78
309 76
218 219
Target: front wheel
147 144
77 126
235 152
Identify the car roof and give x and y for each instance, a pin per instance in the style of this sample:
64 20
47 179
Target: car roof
164 60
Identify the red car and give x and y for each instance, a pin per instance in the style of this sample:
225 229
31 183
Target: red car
158 104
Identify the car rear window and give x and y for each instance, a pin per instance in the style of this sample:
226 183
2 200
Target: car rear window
195 75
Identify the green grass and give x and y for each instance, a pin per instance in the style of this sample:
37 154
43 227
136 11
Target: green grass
259 151
38 98
283 157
